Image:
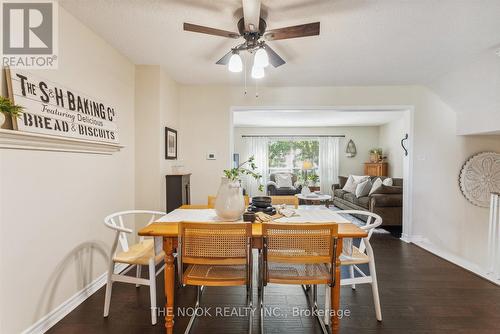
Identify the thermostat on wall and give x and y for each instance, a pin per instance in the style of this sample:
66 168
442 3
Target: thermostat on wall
210 156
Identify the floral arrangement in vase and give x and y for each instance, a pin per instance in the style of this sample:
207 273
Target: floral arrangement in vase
375 154
230 203
313 179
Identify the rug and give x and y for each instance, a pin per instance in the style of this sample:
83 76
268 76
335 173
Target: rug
358 222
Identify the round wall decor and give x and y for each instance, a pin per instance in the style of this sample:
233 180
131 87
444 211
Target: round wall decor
479 177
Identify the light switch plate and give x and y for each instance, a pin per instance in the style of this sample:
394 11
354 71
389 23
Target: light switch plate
211 156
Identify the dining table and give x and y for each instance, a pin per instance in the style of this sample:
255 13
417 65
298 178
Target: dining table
167 228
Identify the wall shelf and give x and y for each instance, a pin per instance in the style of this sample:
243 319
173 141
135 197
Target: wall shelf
11 139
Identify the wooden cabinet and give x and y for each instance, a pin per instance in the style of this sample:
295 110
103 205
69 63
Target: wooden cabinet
376 169
178 191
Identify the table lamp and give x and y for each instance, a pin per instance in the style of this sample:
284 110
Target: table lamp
306 165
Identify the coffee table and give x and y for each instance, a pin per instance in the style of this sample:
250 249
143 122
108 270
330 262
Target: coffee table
319 198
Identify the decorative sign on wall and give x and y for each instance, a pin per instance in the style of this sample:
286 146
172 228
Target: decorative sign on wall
480 176
56 110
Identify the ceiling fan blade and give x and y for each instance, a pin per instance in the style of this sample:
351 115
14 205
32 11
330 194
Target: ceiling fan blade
274 58
251 14
225 60
210 31
302 30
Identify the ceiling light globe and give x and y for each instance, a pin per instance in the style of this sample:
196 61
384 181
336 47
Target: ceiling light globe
235 63
261 58
257 72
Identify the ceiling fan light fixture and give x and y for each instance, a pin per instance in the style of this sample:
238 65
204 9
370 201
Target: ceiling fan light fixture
257 72
261 59
235 64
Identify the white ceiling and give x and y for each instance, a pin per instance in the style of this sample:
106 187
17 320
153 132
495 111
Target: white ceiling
362 42
312 118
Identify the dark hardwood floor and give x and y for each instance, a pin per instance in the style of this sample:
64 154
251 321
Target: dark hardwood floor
419 292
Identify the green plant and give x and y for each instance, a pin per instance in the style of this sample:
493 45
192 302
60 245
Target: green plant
234 174
9 108
376 151
313 177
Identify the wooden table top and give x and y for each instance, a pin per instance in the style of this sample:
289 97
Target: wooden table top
171 229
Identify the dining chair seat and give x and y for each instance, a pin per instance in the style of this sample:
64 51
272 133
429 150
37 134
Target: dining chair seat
139 253
298 273
215 275
357 257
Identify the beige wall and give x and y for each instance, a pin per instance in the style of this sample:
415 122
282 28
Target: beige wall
147 137
390 136
156 105
472 91
365 138
441 216
53 241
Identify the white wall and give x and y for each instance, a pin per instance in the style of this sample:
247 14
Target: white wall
390 136
365 138
472 91
156 106
440 213
53 241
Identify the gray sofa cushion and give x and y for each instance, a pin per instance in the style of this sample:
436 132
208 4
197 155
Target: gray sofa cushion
364 202
339 193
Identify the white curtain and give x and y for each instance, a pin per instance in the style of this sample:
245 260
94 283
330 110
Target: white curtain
257 147
328 163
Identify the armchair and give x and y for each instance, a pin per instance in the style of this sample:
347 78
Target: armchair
274 190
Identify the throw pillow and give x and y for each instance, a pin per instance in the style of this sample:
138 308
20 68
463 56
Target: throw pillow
387 182
376 184
353 181
363 188
387 190
283 180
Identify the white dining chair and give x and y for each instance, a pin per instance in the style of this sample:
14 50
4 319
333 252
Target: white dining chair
147 252
353 256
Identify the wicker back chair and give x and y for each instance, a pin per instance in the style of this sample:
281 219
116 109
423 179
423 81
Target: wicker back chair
216 254
301 254
288 200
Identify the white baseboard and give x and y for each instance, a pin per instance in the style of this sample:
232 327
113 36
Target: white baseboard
472 267
405 237
56 315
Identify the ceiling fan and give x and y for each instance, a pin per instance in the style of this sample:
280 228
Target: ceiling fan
253 29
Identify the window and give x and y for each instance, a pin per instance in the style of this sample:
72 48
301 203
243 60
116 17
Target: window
289 156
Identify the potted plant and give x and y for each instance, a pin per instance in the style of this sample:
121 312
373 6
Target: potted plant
8 111
375 154
229 203
313 179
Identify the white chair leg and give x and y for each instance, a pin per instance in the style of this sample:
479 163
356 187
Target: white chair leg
376 298
351 273
109 288
138 274
152 290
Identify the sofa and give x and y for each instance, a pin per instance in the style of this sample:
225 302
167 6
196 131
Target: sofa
387 201
274 190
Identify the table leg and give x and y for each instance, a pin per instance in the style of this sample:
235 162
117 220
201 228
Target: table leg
168 247
335 292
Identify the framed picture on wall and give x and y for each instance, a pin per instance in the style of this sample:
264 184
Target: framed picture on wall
170 144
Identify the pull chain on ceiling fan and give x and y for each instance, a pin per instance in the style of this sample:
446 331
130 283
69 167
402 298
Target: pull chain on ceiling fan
254 30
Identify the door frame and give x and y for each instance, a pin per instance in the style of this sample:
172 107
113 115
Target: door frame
408 161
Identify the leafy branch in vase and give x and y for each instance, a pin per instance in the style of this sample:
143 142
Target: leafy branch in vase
245 168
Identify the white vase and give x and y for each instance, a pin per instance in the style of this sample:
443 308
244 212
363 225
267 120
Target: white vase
229 204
